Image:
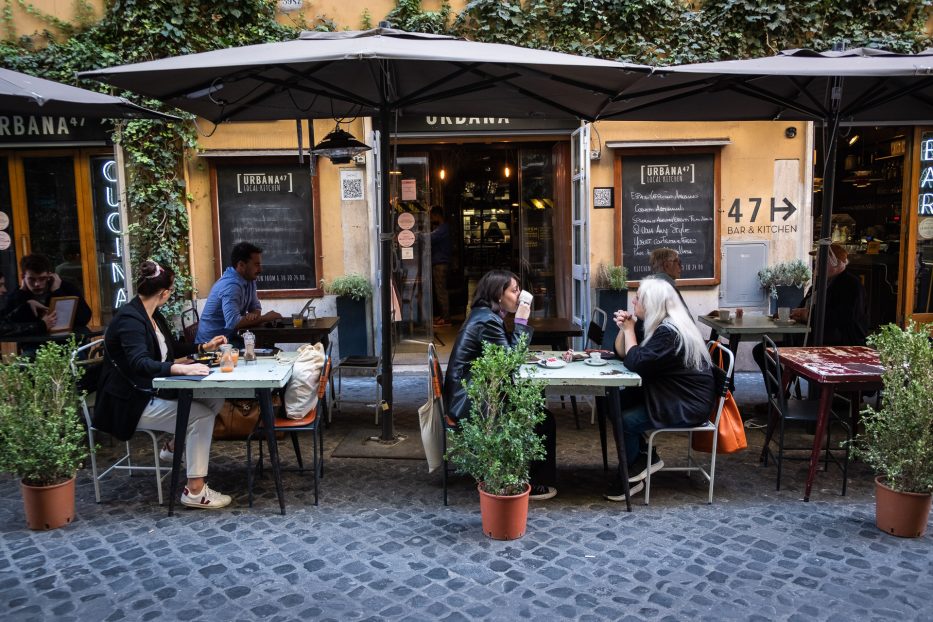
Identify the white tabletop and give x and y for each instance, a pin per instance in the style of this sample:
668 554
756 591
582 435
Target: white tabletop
265 373
584 378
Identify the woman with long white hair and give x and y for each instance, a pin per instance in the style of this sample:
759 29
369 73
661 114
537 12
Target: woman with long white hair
676 371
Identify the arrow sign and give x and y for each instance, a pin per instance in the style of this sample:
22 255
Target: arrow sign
788 208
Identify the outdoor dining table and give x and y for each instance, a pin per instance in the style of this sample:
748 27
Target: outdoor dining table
282 331
14 344
844 369
750 326
247 380
603 382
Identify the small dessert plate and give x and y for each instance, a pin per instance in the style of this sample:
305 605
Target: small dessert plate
595 362
552 363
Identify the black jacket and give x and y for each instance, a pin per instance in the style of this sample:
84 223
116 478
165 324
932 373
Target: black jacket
846 319
675 396
483 325
11 328
19 311
131 360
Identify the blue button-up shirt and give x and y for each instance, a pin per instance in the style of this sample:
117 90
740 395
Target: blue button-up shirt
230 299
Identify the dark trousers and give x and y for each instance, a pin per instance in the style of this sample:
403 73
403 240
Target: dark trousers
439 282
544 472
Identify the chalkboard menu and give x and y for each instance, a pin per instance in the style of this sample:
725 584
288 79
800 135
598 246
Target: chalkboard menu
668 201
269 205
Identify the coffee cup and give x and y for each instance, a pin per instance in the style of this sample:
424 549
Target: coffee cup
525 297
596 357
784 314
725 314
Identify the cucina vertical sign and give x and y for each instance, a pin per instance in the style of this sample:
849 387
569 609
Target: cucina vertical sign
110 230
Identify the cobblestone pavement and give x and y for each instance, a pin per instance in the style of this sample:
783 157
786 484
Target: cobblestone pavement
381 546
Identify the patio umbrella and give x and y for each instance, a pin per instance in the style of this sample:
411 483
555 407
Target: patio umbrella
378 73
835 88
27 95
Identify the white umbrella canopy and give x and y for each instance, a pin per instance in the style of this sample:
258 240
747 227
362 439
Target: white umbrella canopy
27 95
359 73
833 88
379 73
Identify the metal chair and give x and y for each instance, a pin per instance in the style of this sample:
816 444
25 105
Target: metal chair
311 422
781 410
372 366
436 390
86 357
594 336
722 374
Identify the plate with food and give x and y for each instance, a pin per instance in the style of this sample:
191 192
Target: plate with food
552 362
595 362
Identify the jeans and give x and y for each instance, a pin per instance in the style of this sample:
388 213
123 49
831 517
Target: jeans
635 422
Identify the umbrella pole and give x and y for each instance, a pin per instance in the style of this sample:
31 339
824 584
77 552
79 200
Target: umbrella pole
822 261
385 242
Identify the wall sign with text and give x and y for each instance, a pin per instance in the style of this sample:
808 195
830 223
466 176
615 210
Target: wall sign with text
269 205
668 201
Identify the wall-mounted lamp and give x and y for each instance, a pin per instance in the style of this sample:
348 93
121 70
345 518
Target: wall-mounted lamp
442 174
854 139
339 146
790 132
508 171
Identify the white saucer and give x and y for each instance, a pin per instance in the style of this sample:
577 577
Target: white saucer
595 363
552 364
784 322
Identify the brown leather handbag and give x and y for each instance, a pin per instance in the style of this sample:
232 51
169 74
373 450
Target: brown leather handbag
236 420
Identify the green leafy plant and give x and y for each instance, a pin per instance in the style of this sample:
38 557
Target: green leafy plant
497 442
898 439
795 272
612 277
41 435
356 286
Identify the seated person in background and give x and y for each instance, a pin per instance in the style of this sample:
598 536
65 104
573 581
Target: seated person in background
138 347
496 296
14 329
677 380
665 262
30 301
71 269
233 303
845 322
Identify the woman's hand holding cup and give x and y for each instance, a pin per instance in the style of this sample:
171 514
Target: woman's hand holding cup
524 305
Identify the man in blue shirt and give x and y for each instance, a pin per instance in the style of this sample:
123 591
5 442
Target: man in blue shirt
233 303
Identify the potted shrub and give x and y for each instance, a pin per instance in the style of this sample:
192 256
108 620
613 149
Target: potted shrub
353 292
897 441
497 442
42 439
784 282
611 295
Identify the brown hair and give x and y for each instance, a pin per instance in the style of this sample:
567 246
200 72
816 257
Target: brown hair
491 287
35 263
153 278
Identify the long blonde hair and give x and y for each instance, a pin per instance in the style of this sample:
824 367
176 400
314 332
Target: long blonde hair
662 305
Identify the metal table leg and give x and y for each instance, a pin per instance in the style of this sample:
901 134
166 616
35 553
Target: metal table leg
181 434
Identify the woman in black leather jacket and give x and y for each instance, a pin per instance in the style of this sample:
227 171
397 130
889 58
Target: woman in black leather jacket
497 295
138 346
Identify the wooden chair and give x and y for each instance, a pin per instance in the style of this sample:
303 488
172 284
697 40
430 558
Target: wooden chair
311 422
437 391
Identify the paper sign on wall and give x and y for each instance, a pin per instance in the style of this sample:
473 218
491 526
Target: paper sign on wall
409 190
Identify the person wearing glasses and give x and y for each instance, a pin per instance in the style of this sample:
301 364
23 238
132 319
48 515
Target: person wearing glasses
666 265
30 301
139 346
677 378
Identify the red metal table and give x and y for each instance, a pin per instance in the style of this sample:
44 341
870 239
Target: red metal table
847 369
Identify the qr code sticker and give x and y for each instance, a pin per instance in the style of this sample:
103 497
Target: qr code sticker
351 186
602 197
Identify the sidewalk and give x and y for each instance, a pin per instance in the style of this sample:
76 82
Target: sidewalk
381 546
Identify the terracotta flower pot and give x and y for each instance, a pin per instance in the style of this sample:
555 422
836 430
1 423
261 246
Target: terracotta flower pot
49 507
504 517
902 514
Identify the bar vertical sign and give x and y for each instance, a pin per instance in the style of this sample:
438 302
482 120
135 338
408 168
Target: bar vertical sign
925 199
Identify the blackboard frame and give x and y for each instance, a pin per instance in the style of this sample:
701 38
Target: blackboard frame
716 152
221 255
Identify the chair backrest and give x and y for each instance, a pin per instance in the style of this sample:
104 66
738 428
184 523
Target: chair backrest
597 327
774 385
90 356
325 378
189 323
723 364
436 388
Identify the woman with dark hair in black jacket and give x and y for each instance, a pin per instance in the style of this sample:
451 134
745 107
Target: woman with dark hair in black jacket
497 295
138 347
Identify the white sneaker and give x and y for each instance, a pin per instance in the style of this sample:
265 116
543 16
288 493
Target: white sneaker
617 494
207 499
167 455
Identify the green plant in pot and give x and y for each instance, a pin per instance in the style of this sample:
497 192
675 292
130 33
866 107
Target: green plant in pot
498 441
611 295
784 282
42 439
897 441
353 292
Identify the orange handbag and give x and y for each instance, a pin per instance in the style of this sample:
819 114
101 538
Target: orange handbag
731 429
